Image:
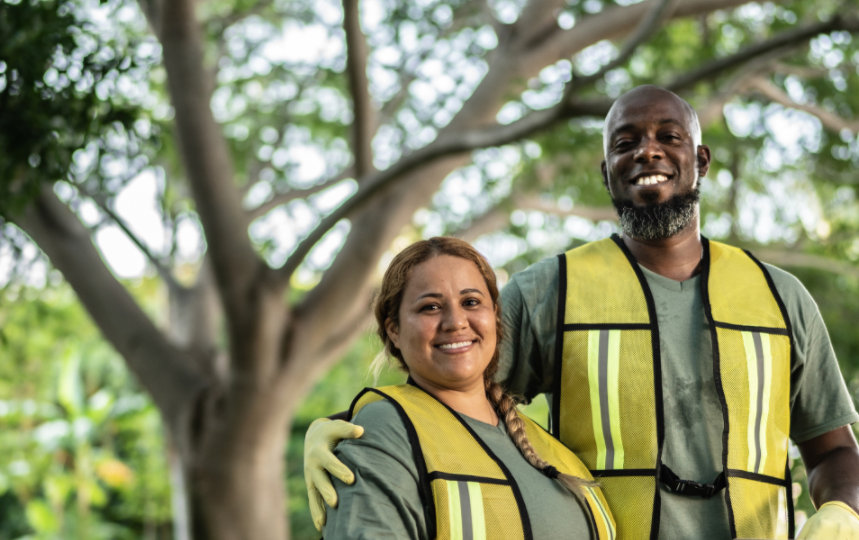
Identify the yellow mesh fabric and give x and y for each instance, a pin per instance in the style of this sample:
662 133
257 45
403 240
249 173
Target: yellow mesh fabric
551 450
449 448
754 359
443 443
740 386
630 499
604 519
578 414
623 302
756 507
736 280
497 516
502 516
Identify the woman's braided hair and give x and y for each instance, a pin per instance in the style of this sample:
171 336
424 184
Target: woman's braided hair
387 308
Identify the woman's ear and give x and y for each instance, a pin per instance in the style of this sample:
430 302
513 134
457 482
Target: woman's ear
393 332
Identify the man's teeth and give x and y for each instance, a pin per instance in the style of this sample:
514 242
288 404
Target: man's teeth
651 180
456 345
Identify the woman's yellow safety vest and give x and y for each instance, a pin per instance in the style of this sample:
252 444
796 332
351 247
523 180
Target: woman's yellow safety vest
607 403
467 492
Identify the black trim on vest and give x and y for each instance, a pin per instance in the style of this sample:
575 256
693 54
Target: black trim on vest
517 494
424 487
607 326
749 328
717 372
791 525
657 378
790 520
591 515
622 472
438 475
739 473
555 416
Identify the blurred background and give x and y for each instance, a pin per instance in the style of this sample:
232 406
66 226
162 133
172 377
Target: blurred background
197 200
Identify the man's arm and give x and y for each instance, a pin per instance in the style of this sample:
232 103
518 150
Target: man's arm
319 461
832 466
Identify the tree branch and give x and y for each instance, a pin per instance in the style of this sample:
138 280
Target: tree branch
162 269
775 94
646 28
281 198
207 159
789 39
499 215
789 258
449 144
612 23
161 368
364 123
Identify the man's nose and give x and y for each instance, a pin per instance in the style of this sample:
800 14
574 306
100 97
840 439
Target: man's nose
648 150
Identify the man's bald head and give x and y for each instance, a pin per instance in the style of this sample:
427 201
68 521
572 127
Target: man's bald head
652 93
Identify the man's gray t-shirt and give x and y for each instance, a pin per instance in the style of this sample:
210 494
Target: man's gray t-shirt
693 418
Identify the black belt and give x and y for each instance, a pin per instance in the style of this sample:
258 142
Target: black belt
690 488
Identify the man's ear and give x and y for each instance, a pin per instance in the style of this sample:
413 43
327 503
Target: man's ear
393 332
604 172
703 159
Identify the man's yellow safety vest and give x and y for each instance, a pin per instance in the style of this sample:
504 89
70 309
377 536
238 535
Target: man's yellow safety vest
607 400
467 491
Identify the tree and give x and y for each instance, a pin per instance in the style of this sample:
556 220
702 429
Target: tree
247 337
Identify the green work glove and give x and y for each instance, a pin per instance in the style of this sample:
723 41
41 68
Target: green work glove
834 519
319 442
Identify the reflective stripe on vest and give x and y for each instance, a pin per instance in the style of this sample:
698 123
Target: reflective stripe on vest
467 491
608 392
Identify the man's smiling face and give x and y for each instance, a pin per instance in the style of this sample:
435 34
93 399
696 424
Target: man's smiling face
653 161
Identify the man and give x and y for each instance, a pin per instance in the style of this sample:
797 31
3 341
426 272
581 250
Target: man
677 367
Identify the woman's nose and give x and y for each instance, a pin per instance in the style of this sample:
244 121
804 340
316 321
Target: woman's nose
454 319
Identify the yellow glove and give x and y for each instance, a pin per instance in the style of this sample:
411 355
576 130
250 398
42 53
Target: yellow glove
319 442
834 519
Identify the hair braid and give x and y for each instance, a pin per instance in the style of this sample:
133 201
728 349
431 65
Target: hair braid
506 407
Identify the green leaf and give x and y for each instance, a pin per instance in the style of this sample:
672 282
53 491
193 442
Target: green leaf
41 517
70 393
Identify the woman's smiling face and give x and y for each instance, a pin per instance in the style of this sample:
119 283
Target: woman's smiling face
447 324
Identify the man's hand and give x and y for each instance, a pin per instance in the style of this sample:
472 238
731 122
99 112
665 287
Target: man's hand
319 442
834 519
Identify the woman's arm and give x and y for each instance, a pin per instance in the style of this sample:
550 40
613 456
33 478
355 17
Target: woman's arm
384 500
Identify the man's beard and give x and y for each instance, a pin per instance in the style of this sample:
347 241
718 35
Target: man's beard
658 221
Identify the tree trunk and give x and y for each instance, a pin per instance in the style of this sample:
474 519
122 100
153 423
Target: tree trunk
236 480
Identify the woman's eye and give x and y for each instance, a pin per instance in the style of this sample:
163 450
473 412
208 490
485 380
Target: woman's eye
429 307
470 302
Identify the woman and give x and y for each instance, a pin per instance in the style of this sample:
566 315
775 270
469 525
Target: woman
447 455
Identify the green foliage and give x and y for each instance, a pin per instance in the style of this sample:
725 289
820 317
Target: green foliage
72 424
57 92
81 450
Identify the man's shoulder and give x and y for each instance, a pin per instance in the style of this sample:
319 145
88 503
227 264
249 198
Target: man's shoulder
801 306
785 282
545 270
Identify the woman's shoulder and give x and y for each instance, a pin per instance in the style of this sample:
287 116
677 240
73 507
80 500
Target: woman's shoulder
384 429
385 443
378 414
